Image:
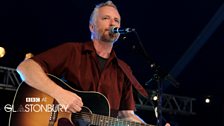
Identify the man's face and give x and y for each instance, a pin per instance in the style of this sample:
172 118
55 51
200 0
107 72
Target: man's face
106 18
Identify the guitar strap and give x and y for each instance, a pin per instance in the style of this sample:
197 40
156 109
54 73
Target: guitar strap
132 79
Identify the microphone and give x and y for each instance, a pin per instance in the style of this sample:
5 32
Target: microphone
121 30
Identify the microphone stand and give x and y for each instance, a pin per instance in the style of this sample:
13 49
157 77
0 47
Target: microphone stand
158 76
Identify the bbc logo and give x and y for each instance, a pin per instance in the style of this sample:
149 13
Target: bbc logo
32 99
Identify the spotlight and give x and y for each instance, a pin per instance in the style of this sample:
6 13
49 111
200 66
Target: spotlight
2 52
155 98
154 95
207 100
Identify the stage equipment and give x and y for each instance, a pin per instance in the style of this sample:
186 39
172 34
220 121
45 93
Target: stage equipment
159 76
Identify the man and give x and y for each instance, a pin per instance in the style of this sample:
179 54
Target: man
90 66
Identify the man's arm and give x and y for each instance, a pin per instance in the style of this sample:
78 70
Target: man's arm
129 115
32 73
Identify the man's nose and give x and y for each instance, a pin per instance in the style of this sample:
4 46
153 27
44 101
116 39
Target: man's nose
112 22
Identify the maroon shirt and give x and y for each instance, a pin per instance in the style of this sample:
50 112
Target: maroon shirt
78 63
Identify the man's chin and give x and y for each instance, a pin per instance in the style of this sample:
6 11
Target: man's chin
114 38
110 39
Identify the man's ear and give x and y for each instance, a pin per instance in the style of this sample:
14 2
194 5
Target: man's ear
91 27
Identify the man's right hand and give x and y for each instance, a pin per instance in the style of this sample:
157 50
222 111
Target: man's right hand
69 99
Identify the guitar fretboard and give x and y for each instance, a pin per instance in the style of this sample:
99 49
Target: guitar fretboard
102 120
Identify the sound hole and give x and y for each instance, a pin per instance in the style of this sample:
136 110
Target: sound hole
82 118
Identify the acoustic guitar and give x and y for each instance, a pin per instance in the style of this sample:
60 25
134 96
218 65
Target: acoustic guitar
32 107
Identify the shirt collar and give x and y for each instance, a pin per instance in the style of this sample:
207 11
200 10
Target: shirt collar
89 47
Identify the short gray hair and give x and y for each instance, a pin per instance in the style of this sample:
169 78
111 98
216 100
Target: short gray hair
94 12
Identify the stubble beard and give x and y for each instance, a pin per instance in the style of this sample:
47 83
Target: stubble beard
109 37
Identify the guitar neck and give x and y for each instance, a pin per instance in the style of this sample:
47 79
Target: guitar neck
111 121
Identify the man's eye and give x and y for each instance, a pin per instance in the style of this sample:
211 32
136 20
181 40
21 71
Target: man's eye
117 21
104 18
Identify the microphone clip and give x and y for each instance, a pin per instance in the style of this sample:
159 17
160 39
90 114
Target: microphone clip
121 30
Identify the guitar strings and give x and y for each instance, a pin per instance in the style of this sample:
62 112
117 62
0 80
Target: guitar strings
98 119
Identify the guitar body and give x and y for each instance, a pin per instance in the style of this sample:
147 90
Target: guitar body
32 107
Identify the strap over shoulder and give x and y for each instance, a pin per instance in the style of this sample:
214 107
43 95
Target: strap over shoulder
128 72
